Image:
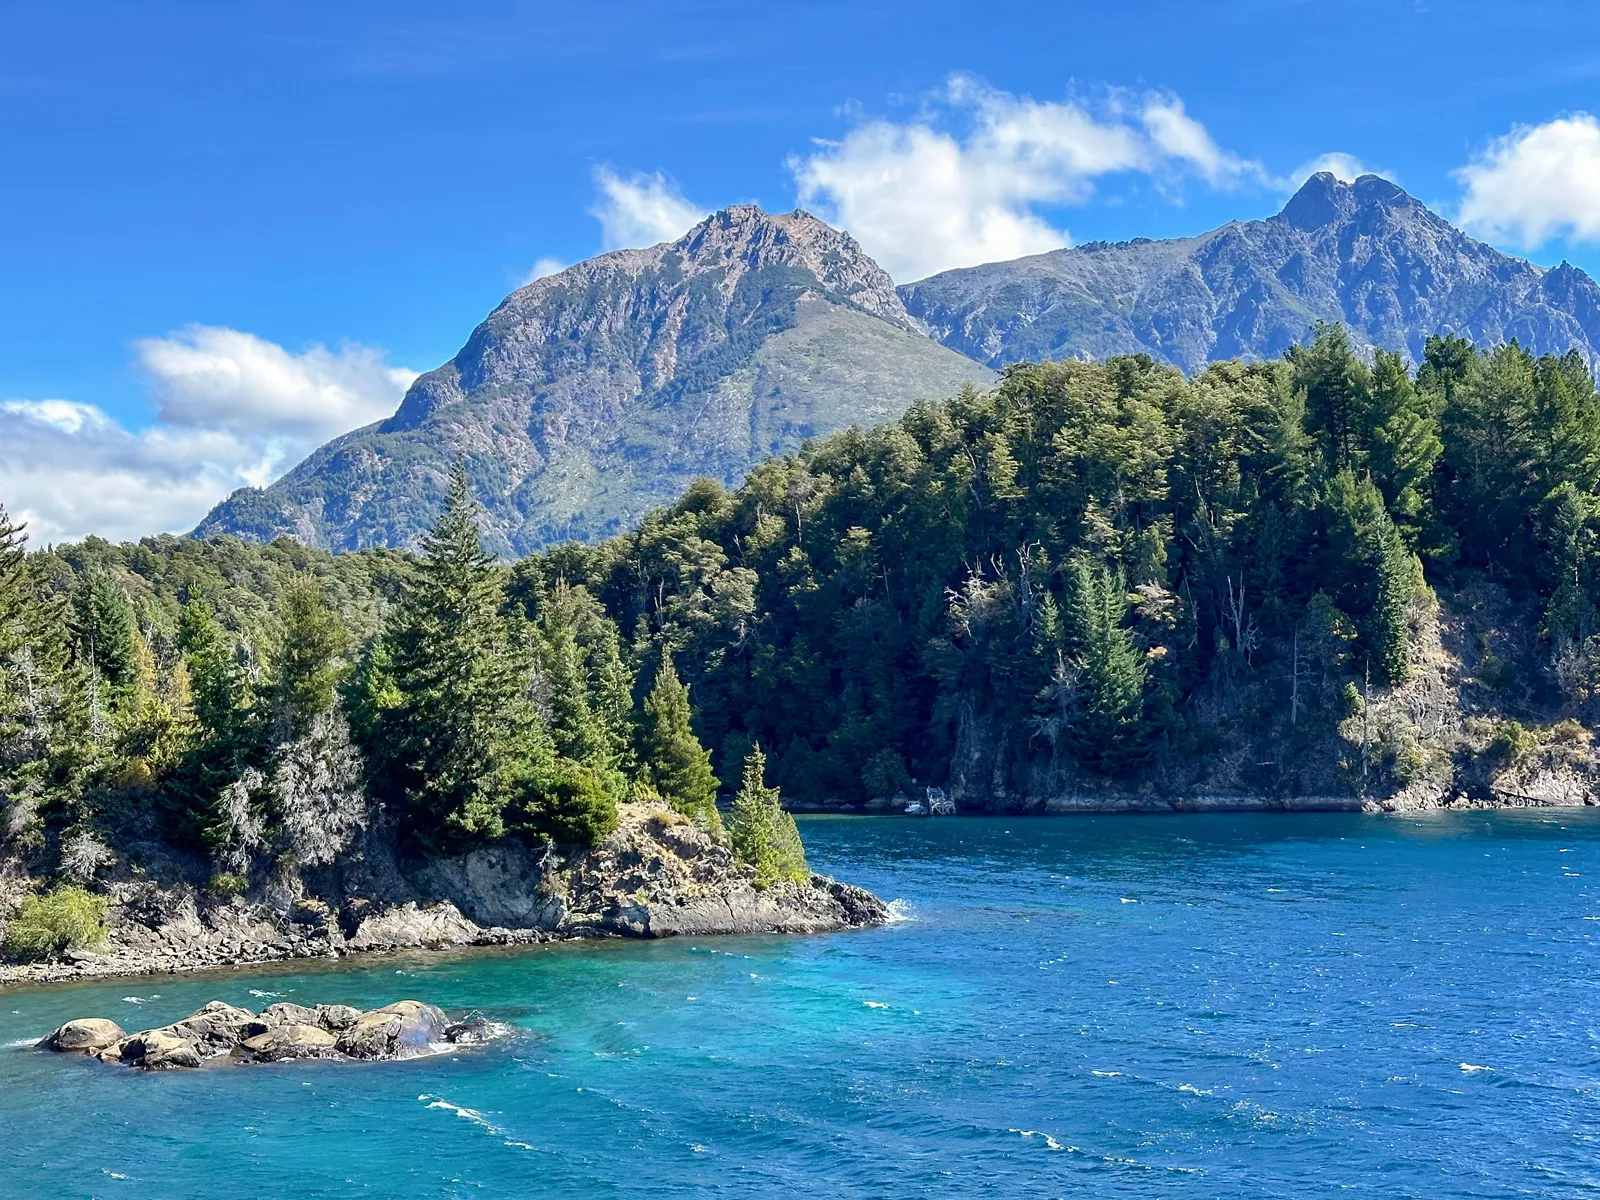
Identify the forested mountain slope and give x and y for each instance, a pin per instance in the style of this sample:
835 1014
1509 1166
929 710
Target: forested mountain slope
1365 254
593 394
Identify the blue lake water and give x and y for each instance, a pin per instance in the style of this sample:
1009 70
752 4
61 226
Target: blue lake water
1206 1006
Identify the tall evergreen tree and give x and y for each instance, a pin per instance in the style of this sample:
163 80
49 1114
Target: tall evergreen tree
679 766
1106 732
464 742
762 833
1338 395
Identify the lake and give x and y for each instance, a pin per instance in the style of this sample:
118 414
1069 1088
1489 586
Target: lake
1199 1005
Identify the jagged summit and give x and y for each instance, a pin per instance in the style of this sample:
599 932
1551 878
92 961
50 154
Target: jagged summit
1365 253
593 394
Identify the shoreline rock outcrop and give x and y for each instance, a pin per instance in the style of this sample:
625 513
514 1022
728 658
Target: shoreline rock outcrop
280 1033
657 875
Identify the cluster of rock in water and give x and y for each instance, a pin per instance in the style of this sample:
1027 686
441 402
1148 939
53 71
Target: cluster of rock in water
278 1033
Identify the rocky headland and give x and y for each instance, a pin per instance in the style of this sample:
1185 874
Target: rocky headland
657 875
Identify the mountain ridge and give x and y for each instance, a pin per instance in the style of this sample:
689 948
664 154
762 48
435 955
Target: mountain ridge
589 396
1365 254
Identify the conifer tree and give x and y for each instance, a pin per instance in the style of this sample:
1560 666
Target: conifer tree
679 766
762 833
306 673
465 743
1106 729
1337 388
1405 441
106 625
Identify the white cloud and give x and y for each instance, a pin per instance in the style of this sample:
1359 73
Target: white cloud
542 267
1344 167
922 199
232 410
1536 183
641 210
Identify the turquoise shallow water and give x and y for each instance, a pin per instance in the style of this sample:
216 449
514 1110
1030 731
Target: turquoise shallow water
1206 1006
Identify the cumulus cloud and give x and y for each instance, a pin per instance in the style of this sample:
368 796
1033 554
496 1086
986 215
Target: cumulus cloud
1536 183
641 210
1345 167
923 199
232 410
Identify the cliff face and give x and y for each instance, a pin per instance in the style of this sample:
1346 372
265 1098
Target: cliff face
1365 254
591 395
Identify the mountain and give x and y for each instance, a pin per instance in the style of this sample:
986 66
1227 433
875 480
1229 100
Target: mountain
589 396
1365 254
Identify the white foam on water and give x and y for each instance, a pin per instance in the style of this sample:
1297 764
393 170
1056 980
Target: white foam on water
1128 900
139 999
900 911
874 1004
20 1042
1049 1141
476 1117
264 995
1470 1067
1106 1074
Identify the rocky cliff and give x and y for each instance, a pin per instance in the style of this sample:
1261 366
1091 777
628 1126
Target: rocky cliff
591 395
658 875
1365 254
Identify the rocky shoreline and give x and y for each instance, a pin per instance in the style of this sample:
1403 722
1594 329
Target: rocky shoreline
658 875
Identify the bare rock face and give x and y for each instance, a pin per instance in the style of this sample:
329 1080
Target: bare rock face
410 927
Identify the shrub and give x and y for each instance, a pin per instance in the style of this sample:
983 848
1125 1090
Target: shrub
763 835
1513 741
227 885
577 810
66 919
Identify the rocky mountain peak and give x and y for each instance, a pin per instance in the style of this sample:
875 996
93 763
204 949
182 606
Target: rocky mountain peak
1325 200
743 238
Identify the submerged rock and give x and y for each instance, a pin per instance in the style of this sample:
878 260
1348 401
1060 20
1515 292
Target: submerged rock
281 1033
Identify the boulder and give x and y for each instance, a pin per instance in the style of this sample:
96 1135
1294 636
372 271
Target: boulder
337 1017
159 1050
215 1029
397 1030
87 1036
284 1013
284 1042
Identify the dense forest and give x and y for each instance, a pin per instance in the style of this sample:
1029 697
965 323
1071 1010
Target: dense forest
1093 576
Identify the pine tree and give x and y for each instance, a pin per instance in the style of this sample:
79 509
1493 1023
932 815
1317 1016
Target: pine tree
107 629
1106 729
464 743
306 673
762 833
1405 442
1338 393
679 766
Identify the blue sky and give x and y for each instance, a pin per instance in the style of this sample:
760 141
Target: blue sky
197 192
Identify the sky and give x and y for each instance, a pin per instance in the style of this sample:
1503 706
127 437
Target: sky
231 231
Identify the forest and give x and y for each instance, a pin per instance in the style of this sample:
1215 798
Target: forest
1091 569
